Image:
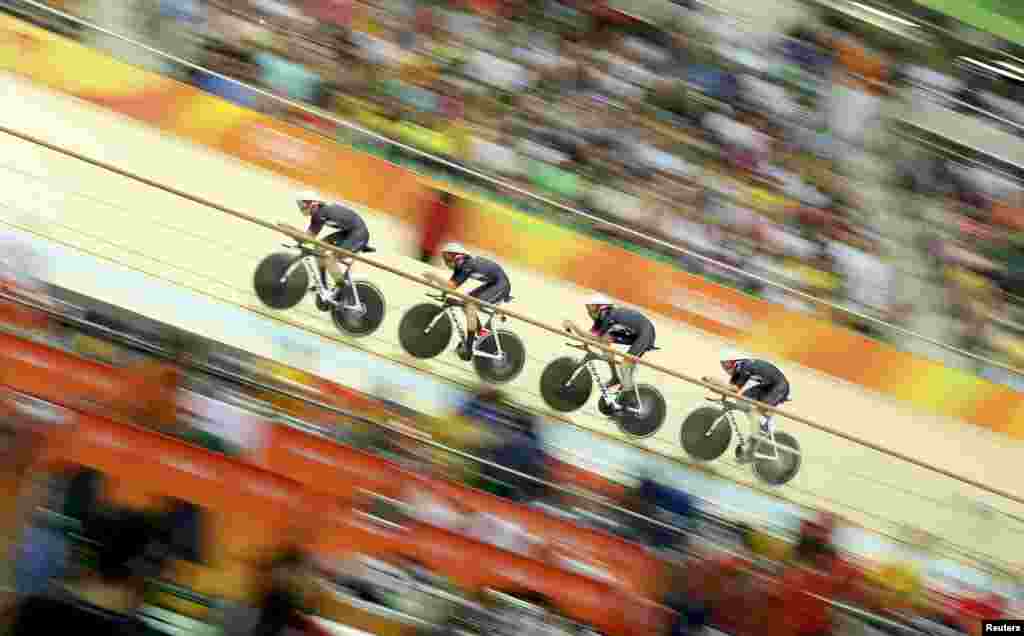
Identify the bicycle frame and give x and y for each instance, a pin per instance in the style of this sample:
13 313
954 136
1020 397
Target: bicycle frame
588 363
312 265
727 415
452 315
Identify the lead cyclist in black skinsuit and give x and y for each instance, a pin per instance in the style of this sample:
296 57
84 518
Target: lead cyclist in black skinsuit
351 234
618 325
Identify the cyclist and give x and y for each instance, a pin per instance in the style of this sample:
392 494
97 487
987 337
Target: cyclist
350 234
770 387
618 325
495 290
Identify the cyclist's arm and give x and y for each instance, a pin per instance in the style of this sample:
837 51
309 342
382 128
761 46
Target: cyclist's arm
571 327
739 379
602 330
597 332
439 281
316 224
459 276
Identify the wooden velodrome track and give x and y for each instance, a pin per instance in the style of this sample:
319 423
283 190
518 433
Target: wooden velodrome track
140 227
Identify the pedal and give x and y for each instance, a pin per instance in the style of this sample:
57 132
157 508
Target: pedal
744 455
774 454
480 337
768 436
327 299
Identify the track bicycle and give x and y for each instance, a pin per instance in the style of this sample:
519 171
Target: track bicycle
283 279
567 384
425 331
707 432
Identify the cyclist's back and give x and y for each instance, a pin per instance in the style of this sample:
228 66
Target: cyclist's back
335 215
622 318
770 385
758 371
480 269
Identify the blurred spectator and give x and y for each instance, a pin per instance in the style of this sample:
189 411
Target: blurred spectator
692 614
282 605
437 224
668 505
806 614
869 281
520 450
502 533
283 73
104 601
858 90
283 590
816 574
179 23
232 63
429 507
517 446
42 555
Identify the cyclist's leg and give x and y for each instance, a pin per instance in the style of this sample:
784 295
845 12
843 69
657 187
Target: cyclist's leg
613 366
488 293
757 393
483 292
641 345
774 396
494 293
329 261
771 395
351 241
354 241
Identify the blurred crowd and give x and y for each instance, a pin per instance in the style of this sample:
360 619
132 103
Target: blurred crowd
78 557
765 151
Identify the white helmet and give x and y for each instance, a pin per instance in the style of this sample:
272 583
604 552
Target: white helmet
450 251
308 196
730 356
596 303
